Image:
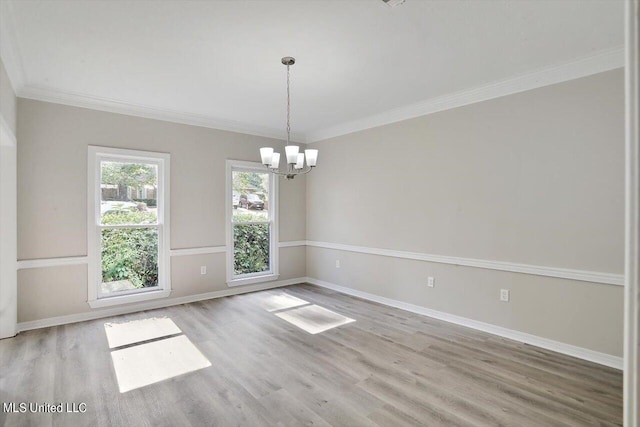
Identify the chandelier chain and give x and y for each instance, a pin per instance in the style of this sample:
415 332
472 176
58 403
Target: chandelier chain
288 108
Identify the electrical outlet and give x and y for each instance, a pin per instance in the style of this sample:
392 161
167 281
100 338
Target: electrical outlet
431 282
337 263
504 295
203 269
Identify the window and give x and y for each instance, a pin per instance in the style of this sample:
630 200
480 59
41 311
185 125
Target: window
128 220
251 224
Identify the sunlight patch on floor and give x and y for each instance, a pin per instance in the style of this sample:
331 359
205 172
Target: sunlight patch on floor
281 301
314 319
131 332
149 363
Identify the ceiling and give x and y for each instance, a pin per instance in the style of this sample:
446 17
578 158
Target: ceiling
217 63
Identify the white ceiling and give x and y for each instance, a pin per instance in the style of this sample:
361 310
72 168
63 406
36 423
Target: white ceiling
219 61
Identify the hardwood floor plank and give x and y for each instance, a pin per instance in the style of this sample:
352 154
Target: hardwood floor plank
388 368
284 409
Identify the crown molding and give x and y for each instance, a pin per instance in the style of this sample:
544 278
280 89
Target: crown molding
12 60
46 94
581 67
9 51
585 66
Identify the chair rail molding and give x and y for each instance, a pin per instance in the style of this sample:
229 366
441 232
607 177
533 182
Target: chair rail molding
24 264
198 251
83 259
537 270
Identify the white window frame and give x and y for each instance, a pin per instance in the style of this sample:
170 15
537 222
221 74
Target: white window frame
94 227
273 272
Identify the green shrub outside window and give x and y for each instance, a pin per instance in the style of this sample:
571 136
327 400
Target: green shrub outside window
130 253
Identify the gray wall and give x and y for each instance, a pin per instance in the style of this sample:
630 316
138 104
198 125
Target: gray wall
52 201
532 178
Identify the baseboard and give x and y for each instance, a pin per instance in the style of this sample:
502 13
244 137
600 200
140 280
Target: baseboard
571 350
557 346
132 308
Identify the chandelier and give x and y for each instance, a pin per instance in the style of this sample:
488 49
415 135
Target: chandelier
295 159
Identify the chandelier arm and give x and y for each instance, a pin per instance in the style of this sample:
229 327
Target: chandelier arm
279 173
293 172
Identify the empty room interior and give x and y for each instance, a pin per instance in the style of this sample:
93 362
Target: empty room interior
329 213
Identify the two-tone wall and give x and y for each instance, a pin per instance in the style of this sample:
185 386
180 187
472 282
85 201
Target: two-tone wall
523 192
52 204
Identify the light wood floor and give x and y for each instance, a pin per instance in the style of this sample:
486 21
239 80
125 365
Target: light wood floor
388 368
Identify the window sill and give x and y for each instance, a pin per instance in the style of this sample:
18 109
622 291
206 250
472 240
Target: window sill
126 299
252 280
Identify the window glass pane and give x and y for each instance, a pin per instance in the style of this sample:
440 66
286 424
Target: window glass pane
129 259
250 248
250 196
128 193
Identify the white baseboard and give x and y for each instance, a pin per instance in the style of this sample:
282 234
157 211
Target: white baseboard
557 346
132 308
571 350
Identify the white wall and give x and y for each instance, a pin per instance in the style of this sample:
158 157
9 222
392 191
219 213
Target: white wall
8 307
533 178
